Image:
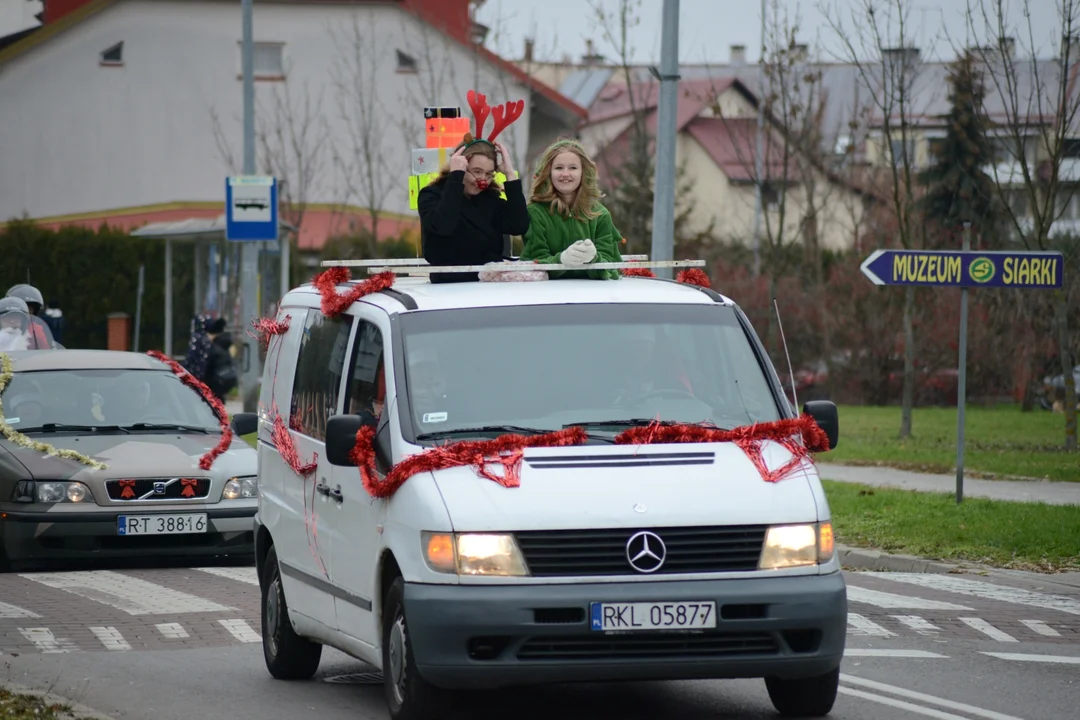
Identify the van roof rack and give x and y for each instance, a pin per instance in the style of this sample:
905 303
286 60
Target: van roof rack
418 262
519 266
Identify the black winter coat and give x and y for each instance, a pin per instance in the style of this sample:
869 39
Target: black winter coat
460 230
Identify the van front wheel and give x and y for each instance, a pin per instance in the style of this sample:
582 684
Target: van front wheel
804 697
408 695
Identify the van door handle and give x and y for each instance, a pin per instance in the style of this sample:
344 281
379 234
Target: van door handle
323 489
335 494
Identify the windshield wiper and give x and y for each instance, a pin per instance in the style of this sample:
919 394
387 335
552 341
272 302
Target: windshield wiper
632 422
58 427
168 426
485 430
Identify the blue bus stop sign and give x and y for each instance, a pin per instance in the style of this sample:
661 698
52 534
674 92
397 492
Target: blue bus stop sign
251 209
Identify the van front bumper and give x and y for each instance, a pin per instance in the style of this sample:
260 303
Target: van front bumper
474 637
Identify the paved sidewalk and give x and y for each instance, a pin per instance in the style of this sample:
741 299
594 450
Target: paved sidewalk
1053 493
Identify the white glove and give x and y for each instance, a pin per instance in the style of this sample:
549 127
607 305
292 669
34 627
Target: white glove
590 250
574 255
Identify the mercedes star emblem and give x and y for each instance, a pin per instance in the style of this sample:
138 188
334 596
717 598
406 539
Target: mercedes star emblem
645 551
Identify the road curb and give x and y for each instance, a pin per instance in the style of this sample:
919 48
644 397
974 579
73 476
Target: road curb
76 709
865 559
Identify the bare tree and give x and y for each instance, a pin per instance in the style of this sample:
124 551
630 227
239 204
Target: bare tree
878 43
293 136
1039 114
429 74
362 159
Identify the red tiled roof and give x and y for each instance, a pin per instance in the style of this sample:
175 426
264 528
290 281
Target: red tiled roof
694 95
732 143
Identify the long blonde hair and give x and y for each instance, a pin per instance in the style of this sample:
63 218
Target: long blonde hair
586 197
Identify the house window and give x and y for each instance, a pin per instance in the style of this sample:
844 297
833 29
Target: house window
113 55
268 60
405 63
897 154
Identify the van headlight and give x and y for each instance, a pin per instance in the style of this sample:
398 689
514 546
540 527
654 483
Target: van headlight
788 546
473 553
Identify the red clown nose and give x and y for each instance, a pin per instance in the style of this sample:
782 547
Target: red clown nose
481 184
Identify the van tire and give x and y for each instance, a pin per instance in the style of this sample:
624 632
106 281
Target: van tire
288 655
408 696
804 697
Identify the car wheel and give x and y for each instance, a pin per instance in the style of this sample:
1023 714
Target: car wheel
804 697
408 695
288 656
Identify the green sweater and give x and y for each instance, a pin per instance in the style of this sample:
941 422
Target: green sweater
549 234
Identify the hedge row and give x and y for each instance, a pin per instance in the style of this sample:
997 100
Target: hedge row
93 273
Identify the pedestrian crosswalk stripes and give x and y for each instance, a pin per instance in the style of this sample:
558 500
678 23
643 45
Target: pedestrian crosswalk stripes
157 609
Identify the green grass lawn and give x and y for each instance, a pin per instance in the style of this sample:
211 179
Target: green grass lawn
1026 536
999 441
251 439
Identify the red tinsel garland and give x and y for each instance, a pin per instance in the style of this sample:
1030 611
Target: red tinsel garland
333 303
266 328
506 450
216 405
285 446
638 272
694 276
749 438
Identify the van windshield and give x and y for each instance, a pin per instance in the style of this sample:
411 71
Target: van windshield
547 367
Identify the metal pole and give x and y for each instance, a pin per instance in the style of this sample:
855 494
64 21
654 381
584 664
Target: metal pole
283 262
138 306
663 219
168 297
961 379
249 251
758 152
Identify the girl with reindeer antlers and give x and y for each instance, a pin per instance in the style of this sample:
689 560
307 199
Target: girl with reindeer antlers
462 216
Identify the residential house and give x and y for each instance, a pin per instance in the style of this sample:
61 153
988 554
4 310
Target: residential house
716 125
129 111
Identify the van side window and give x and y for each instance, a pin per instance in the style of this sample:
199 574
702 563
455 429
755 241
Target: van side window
367 385
319 367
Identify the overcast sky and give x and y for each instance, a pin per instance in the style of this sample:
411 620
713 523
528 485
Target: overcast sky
707 28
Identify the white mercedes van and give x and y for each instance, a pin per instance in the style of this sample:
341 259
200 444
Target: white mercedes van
607 562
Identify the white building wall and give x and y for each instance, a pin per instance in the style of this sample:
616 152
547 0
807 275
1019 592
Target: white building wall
79 137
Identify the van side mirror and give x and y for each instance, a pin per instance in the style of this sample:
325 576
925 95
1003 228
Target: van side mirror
244 423
825 415
341 439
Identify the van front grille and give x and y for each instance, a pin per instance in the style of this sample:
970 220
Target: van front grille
563 553
658 646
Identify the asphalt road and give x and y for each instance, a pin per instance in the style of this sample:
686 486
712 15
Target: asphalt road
179 643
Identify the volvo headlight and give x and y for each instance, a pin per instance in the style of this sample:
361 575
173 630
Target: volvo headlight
473 553
59 492
241 487
788 546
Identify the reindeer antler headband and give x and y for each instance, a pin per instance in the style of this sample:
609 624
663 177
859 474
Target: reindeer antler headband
503 115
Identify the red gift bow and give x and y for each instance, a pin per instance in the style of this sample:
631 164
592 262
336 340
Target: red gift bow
188 489
127 489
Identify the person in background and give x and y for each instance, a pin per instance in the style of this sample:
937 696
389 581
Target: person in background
220 371
198 353
567 223
39 333
14 320
54 318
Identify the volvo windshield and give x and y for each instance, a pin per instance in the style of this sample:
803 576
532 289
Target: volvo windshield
605 367
106 400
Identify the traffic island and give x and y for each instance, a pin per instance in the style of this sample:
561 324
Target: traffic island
19 703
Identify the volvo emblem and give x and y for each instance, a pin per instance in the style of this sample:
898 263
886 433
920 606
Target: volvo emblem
639 508
159 488
645 551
